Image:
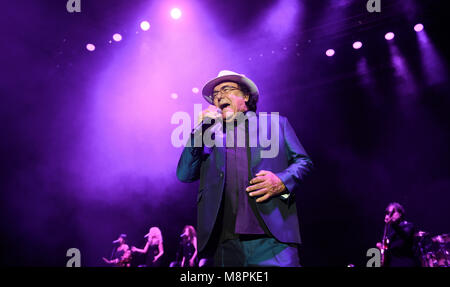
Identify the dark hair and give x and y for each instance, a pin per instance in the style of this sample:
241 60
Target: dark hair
397 207
191 232
251 103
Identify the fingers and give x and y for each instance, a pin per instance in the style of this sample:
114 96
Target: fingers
257 179
256 186
212 108
263 198
210 112
263 185
258 192
262 172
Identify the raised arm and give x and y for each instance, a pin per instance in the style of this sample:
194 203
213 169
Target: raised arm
134 249
188 169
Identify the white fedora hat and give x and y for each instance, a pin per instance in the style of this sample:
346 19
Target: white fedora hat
229 76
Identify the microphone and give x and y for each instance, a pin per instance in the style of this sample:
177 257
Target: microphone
116 241
200 125
183 235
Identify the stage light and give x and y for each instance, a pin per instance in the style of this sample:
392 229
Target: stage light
329 52
389 36
195 90
434 67
174 96
117 37
175 13
90 47
145 25
357 45
405 83
418 27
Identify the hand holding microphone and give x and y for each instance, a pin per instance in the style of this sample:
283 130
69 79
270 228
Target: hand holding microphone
392 216
388 217
213 113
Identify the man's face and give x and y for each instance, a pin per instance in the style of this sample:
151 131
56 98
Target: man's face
395 214
230 99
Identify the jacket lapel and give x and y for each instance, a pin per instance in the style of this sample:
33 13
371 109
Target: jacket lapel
255 149
255 154
219 147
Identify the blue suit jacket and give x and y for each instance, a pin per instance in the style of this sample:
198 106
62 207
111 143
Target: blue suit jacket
208 164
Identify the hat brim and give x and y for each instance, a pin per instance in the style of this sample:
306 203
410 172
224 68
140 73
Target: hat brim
209 87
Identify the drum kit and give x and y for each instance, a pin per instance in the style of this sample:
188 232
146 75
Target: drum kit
434 251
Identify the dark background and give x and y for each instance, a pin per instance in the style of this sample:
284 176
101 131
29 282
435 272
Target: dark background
372 142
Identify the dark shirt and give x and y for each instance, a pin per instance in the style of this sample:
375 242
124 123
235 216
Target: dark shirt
239 209
152 251
188 249
400 252
120 255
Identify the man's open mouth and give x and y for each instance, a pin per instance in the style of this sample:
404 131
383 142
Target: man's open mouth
224 105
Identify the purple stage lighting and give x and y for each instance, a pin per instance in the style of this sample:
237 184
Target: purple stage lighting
357 45
174 96
418 27
195 90
145 25
329 52
90 47
117 37
389 36
175 13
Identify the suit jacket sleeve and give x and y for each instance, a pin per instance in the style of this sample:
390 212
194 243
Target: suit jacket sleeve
299 162
188 169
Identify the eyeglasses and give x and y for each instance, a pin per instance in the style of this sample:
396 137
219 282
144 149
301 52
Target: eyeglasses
224 90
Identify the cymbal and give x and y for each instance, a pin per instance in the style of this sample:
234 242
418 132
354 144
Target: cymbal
443 238
421 233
